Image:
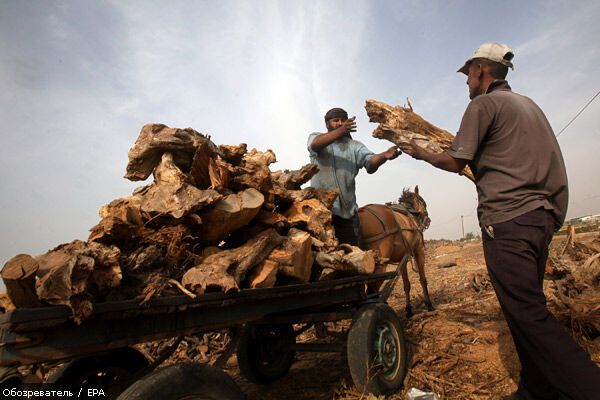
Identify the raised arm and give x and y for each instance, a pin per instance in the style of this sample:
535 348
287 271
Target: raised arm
439 160
325 139
378 159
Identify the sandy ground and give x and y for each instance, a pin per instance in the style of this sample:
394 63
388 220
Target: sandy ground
462 350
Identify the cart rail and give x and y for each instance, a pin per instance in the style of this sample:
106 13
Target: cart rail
37 335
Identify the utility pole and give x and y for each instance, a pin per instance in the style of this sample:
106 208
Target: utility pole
462 224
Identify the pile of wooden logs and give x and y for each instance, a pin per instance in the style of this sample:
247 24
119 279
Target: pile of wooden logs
214 218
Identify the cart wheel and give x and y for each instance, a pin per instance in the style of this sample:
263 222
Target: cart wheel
263 355
184 382
112 372
377 354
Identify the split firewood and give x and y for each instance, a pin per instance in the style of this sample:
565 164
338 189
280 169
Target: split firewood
292 180
264 275
312 215
294 256
347 259
225 270
19 275
400 125
229 214
172 193
156 139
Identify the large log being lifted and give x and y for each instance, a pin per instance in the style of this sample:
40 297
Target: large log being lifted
400 125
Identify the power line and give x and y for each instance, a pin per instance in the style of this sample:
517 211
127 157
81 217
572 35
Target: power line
580 111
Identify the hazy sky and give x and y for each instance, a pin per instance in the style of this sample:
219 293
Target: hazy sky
78 80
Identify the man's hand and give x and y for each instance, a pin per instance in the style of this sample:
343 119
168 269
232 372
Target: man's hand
414 150
441 160
348 125
392 153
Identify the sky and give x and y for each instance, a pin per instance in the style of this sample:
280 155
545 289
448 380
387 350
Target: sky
78 80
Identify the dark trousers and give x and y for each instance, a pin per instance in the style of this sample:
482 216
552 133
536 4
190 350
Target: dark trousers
553 366
347 230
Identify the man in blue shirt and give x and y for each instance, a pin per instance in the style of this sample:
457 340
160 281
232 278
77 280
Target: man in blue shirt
339 158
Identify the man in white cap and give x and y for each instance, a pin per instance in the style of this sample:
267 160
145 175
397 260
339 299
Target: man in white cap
522 188
340 158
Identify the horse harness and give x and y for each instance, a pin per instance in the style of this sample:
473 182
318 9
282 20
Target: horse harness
387 230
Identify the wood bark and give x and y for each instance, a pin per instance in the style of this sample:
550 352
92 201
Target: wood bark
19 276
400 125
225 270
156 139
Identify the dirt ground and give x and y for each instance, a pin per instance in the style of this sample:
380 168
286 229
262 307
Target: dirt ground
462 350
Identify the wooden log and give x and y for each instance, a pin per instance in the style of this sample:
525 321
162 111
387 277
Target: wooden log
156 139
199 170
221 174
254 172
233 154
313 216
295 257
400 125
225 270
5 304
347 259
229 214
292 180
172 194
77 269
286 197
264 275
19 276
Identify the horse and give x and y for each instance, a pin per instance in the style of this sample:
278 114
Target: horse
394 229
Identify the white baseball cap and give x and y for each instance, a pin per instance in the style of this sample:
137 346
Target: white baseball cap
497 52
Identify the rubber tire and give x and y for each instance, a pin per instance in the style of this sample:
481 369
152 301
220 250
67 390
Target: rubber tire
259 354
121 364
362 350
184 382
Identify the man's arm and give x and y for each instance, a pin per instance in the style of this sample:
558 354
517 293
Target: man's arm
325 139
439 160
378 159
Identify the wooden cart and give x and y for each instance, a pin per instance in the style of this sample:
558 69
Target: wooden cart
97 353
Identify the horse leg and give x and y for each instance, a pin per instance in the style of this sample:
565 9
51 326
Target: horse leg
406 282
420 261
